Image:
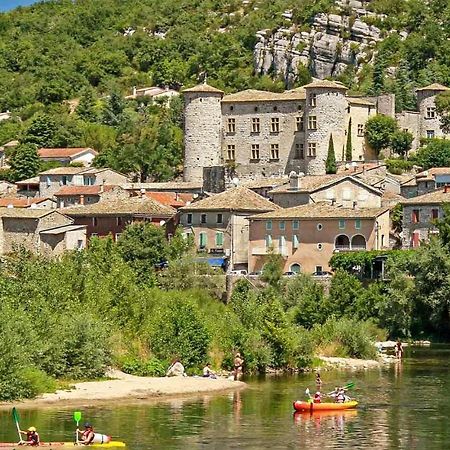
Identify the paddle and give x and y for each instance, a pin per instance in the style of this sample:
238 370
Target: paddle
348 386
77 418
15 415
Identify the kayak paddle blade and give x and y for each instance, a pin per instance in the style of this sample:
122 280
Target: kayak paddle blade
77 416
15 415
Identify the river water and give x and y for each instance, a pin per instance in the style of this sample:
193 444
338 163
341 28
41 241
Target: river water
405 406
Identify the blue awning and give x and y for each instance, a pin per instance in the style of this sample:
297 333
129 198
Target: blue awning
213 262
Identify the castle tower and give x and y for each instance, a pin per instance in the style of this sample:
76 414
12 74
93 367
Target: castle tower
429 121
326 113
202 130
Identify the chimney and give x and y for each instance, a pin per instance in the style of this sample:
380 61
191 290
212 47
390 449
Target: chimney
333 201
102 189
355 204
294 180
141 193
82 199
446 189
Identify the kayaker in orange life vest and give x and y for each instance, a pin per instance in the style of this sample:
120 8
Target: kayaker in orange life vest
317 397
87 436
32 437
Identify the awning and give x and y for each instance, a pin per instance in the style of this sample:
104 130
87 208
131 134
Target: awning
213 262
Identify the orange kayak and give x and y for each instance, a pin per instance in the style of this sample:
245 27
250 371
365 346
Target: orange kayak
307 406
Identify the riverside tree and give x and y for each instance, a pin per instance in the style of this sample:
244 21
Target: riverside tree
379 131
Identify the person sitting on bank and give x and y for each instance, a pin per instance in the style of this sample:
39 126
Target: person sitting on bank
87 435
207 372
238 362
32 437
176 369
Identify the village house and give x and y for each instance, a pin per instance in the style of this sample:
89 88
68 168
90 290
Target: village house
307 236
86 195
218 223
153 92
420 214
426 181
42 231
110 217
3 153
81 155
28 187
7 189
51 181
341 190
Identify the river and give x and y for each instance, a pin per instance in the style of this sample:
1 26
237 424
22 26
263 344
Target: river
402 407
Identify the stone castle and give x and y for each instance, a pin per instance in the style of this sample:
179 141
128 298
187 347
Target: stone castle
257 134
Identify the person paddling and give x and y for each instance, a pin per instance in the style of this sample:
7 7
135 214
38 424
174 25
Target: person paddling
32 437
87 436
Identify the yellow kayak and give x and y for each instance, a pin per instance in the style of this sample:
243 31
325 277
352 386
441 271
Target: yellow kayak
307 406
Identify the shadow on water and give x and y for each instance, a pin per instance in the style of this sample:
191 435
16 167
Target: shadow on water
401 406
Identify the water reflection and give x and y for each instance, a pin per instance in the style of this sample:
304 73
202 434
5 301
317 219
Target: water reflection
403 406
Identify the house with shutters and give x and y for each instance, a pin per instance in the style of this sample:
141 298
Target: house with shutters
80 155
420 214
219 223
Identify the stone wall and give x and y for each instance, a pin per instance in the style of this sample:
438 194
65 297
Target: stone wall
202 134
359 115
410 121
426 99
422 228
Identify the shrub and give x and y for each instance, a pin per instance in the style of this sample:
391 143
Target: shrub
152 367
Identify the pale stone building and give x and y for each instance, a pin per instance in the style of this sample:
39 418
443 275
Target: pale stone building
257 134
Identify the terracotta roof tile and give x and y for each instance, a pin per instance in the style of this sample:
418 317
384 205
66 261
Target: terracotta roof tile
172 199
434 87
67 170
235 199
164 186
131 206
325 84
20 202
26 213
320 211
63 152
83 190
34 180
252 95
436 197
203 88
360 101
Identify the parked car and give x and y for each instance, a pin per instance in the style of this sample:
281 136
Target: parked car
289 274
237 272
322 274
255 274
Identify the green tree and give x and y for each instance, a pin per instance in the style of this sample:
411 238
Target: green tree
273 269
143 245
86 109
401 142
24 162
330 163
443 110
379 131
113 110
42 131
345 289
348 145
379 68
436 153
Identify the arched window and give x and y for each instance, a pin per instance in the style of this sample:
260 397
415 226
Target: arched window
296 268
358 242
342 242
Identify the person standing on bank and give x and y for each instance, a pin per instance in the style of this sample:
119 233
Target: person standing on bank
237 366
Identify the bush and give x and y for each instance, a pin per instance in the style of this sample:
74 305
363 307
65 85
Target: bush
398 166
152 367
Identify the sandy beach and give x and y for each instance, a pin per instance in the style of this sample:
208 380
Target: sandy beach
129 387
356 364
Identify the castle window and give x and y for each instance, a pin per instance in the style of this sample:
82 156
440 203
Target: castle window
275 125
295 224
219 218
299 107
231 108
312 149
256 109
231 125
299 123
360 129
255 152
312 99
231 152
430 134
299 151
275 108
189 219
274 151
203 218
312 123
431 113
255 125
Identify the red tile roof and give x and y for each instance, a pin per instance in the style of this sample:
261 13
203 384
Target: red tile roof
62 152
172 199
83 190
20 202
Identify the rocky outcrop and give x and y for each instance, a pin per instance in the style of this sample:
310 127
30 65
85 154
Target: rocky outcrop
332 44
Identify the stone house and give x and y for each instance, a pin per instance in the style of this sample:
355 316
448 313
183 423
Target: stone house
420 214
86 195
82 155
340 190
307 236
42 231
154 92
111 217
218 223
51 181
426 181
28 187
7 189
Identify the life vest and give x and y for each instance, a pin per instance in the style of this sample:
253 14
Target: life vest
33 438
101 438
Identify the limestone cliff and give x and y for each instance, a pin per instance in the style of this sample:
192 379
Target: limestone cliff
331 44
